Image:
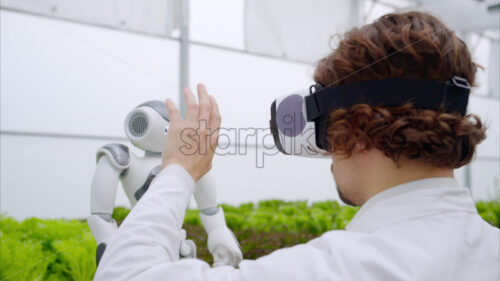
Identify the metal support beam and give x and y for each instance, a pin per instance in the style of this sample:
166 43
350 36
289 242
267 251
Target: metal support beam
468 176
357 13
184 55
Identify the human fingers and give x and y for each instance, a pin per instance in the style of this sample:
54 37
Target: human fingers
191 104
204 106
215 117
173 112
215 121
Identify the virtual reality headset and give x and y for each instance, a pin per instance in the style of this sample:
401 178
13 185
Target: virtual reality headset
299 120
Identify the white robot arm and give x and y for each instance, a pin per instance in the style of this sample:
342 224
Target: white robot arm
222 243
103 193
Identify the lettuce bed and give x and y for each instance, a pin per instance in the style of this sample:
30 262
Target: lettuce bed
57 249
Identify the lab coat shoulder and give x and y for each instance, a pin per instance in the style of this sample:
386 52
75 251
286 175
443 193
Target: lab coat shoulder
301 262
361 255
319 259
336 255
310 261
448 246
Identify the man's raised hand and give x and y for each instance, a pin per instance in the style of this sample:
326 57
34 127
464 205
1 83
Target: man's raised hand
191 142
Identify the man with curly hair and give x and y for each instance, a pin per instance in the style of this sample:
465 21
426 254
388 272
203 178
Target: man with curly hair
415 223
405 142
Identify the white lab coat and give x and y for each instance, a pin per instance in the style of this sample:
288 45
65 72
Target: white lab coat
423 230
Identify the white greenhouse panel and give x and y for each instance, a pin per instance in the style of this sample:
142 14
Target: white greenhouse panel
246 85
463 15
488 110
47 177
61 77
493 69
296 29
226 30
158 17
51 177
485 180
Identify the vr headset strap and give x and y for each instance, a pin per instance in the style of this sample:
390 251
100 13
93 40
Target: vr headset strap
450 96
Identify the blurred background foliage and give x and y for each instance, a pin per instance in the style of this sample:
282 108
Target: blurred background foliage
58 249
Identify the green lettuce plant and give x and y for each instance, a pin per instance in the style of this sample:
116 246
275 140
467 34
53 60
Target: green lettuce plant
58 249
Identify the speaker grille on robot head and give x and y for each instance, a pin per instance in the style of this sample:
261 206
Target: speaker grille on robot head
138 124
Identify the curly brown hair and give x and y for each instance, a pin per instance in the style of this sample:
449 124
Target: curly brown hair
406 45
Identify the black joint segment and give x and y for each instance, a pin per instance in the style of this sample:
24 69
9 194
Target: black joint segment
124 172
159 107
99 252
312 108
140 192
274 128
119 152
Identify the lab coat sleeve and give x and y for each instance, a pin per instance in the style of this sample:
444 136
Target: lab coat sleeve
150 233
146 246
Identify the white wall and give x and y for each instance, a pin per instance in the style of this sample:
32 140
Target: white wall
485 170
65 78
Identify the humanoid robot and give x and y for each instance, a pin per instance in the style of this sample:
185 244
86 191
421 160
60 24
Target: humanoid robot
145 127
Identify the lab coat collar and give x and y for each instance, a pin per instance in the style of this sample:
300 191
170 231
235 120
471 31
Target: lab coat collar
411 200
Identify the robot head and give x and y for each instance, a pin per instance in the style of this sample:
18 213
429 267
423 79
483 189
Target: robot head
145 126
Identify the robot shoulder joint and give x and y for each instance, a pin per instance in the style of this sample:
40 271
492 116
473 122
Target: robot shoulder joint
118 154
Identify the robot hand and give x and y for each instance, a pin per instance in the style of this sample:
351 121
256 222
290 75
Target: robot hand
222 243
187 249
224 247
